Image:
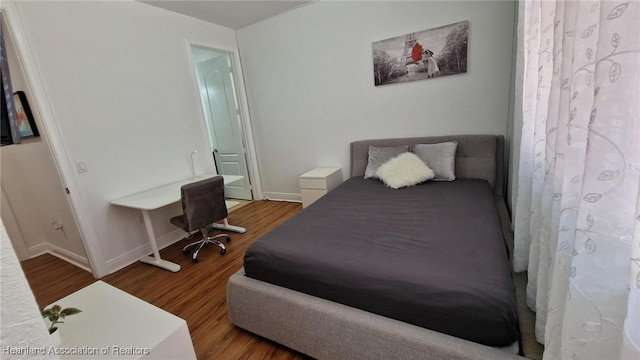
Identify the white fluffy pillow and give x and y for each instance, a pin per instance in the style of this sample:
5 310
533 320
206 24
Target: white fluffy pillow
404 170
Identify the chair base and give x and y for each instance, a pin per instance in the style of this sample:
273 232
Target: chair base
206 240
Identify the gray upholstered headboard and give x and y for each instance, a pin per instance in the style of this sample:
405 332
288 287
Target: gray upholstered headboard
477 156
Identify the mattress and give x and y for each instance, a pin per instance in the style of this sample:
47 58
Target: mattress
431 255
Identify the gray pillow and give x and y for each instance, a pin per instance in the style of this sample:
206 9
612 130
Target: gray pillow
379 156
441 158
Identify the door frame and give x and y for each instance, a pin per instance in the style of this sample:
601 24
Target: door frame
49 127
241 94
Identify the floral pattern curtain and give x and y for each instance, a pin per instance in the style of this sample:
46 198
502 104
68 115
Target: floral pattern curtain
577 212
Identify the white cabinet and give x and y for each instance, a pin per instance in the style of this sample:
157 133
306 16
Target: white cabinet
116 325
317 182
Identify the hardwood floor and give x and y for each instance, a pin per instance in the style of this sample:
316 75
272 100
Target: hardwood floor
197 293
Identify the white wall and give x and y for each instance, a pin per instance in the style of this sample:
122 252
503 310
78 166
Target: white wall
119 84
33 194
309 77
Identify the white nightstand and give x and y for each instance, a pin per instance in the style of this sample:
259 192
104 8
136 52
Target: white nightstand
317 182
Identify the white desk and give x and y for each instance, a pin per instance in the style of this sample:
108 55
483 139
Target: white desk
156 198
117 325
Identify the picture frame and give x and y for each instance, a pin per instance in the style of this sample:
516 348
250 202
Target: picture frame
26 123
421 55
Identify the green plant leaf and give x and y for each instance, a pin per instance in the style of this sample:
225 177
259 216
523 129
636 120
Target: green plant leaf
69 311
56 308
46 313
52 330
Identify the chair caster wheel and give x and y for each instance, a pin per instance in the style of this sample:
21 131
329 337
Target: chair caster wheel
186 251
194 261
223 251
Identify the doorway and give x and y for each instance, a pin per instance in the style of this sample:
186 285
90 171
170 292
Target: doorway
35 205
218 94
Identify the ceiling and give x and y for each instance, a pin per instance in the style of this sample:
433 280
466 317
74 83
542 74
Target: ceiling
234 14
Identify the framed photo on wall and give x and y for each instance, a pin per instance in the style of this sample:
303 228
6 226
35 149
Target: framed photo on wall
26 123
421 55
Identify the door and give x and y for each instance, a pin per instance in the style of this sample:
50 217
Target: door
216 81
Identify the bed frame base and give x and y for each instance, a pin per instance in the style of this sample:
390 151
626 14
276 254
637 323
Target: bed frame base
323 329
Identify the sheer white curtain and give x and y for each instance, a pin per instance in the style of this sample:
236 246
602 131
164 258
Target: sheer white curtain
577 218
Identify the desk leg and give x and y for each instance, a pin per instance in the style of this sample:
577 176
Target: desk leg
226 226
155 259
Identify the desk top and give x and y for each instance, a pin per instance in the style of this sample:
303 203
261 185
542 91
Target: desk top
164 195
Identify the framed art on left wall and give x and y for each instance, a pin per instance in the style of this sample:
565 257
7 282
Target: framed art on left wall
26 123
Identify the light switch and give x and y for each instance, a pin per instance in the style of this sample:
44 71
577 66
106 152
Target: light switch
82 167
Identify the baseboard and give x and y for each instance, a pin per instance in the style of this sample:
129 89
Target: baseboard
68 256
134 255
38 250
276 196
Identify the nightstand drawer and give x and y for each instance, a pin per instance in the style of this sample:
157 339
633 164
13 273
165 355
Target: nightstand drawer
321 178
316 183
309 196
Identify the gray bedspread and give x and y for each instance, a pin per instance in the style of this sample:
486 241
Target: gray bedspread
431 255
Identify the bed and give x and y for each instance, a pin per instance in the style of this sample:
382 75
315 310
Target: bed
353 277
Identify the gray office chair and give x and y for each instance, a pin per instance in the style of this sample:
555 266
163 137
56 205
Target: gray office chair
202 204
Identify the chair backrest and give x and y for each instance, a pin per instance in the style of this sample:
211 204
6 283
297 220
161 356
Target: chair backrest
203 202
